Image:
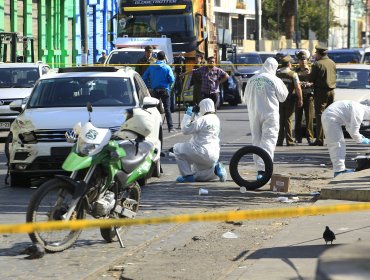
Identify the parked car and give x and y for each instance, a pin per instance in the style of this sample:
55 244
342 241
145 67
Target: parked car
58 102
345 55
353 83
366 56
231 90
16 83
247 64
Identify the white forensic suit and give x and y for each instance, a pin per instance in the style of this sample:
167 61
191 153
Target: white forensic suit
262 94
348 113
198 156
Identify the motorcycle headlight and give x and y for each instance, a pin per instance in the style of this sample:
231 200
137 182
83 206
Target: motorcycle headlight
85 149
28 137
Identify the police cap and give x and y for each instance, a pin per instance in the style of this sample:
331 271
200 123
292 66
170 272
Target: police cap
321 49
286 59
302 55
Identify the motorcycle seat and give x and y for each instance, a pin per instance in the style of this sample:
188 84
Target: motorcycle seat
136 153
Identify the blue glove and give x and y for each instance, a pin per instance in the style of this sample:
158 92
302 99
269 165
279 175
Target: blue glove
365 141
189 111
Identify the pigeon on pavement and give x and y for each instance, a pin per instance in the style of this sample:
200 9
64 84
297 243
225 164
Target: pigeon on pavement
34 251
328 235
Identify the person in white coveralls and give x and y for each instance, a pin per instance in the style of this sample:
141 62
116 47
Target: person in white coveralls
350 114
262 94
197 159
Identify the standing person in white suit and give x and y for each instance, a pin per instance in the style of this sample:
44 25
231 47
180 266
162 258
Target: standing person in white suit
197 159
348 113
263 93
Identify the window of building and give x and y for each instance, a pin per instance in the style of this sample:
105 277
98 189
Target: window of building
222 20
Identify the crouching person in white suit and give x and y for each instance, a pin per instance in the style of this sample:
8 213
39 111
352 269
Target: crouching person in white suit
347 113
197 159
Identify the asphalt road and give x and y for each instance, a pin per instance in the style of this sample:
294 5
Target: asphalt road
92 258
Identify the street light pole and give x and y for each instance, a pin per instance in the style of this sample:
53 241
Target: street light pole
258 24
349 24
296 24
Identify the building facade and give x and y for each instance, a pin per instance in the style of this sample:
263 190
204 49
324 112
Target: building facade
55 26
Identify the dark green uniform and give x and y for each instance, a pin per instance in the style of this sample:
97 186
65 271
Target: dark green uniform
308 107
286 108
323 76
144 60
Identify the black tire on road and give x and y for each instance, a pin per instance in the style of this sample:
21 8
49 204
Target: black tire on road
109 234
52 209
235 163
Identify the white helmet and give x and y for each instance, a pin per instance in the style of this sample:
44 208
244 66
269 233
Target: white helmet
138 121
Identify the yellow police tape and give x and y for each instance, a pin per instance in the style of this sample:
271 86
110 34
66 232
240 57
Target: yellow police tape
205 217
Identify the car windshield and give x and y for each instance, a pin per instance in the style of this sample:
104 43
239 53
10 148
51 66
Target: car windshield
265 56
175 26
76 92
247 59
353 78
343 57
126 57
18 77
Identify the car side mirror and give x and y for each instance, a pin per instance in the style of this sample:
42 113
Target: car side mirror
16 106
150 102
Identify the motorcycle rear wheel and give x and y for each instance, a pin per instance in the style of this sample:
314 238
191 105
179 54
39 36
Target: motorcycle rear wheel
109 234
49 203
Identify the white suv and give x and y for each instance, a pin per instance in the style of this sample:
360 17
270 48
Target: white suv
58 102
16 83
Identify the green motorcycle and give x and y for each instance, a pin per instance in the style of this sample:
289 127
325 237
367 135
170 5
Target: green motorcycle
103 183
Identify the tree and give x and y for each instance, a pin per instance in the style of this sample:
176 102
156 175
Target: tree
278 16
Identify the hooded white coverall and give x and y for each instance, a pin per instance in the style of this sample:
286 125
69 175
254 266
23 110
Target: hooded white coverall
348 113
262 94
198 156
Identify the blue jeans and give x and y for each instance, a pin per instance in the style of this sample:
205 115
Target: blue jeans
164 96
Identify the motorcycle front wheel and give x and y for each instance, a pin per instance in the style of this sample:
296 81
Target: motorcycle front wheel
49 203
243 169
134 193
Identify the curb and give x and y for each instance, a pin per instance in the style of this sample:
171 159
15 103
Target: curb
349 186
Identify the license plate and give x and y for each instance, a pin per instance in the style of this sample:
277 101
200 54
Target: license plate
4 124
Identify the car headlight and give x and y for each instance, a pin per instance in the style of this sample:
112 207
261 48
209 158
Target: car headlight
28 137
85 149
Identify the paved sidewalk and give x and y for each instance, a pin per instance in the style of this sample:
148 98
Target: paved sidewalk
294 252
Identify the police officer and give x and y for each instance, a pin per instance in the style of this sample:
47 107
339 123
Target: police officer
303 70
286 108
323 76
146 59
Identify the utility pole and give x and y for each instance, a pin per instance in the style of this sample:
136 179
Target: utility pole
258 24
327 20
366 23
296 28
349 24
84 37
